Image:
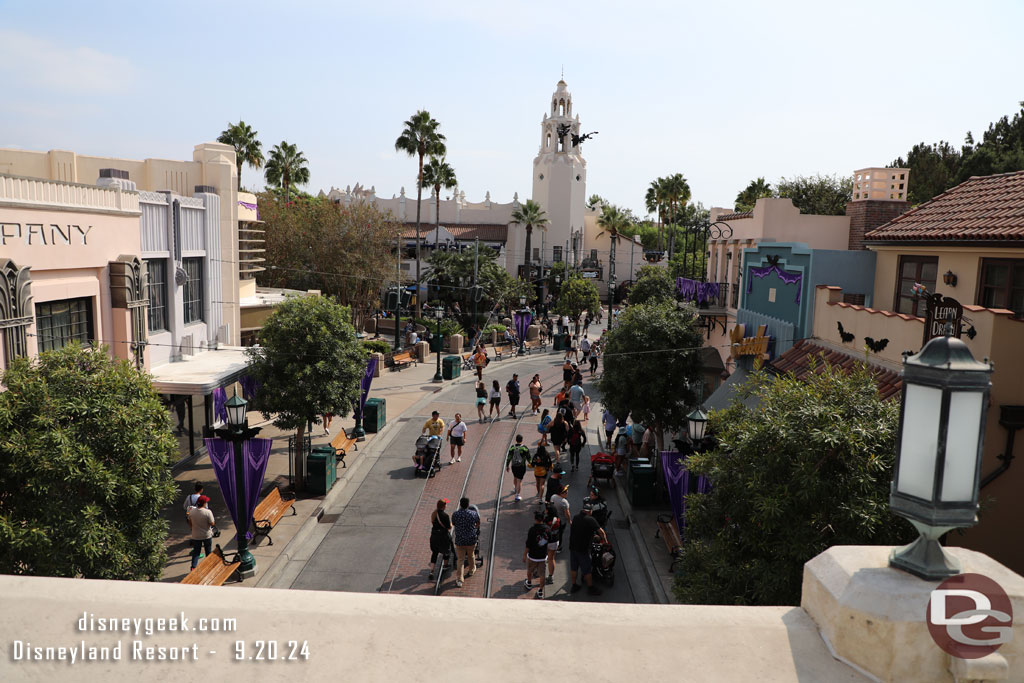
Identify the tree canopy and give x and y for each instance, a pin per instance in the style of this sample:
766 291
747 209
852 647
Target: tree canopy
822 195
85 456
345 251
808 469
651 361
757 189
653 285
308 363
286 167
248 148
577 294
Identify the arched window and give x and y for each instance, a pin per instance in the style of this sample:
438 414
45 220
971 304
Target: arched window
561 107
547 144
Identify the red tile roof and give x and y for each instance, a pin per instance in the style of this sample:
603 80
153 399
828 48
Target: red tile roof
985 208
797 361
487 232
735 216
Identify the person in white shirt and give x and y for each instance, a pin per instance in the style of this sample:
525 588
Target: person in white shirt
457 437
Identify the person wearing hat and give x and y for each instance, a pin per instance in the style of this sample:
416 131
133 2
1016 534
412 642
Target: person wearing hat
200 518
555 482
535 553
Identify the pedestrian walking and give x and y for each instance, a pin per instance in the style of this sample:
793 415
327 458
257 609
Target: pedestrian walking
562 509
554 525
535 554
327 418
536 387
466 523
576 395
440 535
577 375
200 518
516 462
586 408
586 323
636 436
609 428
541 462
192 498
622 442
567 373
480 362
577 439
585 347
512 388
481 400
572 350
457 436
581 535
555 481
495 399
559 431
543 426
595 352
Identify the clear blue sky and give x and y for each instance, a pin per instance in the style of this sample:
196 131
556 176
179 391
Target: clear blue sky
721 92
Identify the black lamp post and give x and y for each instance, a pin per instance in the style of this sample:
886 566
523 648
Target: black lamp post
438 313
611 302
522 313
237 432
398 314
938 463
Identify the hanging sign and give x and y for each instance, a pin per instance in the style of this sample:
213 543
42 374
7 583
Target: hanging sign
940 312
743 345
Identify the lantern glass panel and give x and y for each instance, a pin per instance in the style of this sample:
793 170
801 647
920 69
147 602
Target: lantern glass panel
918 448
961 446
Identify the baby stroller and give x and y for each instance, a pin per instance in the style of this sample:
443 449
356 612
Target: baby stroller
602 466
598 506
428 451
602 558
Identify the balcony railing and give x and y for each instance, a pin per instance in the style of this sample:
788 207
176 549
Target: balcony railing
710 297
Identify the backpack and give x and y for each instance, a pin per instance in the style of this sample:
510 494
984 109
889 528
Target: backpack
518 459
538 537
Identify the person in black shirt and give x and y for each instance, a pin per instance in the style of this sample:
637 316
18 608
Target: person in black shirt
513 394
536 553
581 535
440 534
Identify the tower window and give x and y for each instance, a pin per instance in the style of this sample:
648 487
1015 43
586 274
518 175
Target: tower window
577 178
548 142
542 176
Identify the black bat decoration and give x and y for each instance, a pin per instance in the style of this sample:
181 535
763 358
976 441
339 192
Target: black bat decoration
578 139
844 335
876 346
773 260
563 129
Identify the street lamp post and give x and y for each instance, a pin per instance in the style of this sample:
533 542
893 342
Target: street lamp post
522 312
611 302
438 313
238 432
938 464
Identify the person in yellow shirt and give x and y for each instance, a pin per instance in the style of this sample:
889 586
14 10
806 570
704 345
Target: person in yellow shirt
435 425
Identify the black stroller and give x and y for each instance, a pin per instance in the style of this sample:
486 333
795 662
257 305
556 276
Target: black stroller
428 455
602 558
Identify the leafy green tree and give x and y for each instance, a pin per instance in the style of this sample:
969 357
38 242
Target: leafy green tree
808 469
651 359
757 189
504 291
933 169
595 200
653 285
248 148
529 214
345 251
287 166
85 456
577 294
421 137
822 195
438 174
308 363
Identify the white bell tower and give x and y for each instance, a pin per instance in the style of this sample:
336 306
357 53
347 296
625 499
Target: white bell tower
560 173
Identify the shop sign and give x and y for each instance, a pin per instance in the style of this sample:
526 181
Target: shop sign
941 311
33 234
743 345
590 274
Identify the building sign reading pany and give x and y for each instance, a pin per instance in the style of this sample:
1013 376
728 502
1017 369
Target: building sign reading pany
749 346
33 234
939 311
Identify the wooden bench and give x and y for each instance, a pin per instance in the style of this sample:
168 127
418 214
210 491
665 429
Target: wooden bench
213 570
341 443
270 511
669 534
535 345
400 360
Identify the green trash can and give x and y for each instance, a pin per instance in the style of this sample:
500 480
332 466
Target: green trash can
435 343
558 342
451 367
640 485
321 470
374 415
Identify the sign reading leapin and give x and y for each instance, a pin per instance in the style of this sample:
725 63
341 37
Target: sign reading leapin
941 311
743 345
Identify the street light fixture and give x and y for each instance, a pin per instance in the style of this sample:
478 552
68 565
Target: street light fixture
438 313
938 464
522 312
238 432
697 423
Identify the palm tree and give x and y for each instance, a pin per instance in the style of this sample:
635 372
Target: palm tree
677 192
287 166
656 201
529 214
420 138
758 188
612 221
248 149
437 173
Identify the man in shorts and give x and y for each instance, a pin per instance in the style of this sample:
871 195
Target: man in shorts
576 395
466 524
513 394
515 462
457 436
434 427
581 535
535 554
609 428
480 362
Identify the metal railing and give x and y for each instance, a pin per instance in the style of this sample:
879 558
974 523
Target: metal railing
708 296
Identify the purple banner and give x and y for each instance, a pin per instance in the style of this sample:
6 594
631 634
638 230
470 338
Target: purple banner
695 290
786 277
220 397
677 481
255 454
522 322
249 387
364 385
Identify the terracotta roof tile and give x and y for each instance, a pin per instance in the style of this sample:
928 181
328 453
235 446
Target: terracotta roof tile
735 216
797 361
982 208
487 232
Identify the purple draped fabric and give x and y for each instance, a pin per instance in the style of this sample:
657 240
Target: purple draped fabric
255 454
251 207
522 321
695 290
220 397
787 277
364 385
677 481
249 387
